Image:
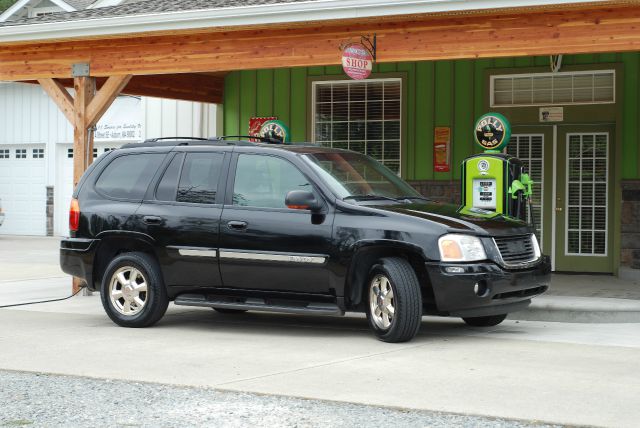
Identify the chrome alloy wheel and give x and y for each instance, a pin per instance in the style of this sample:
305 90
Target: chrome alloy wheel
381 302
128 291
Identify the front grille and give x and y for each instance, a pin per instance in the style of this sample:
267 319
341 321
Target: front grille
517 251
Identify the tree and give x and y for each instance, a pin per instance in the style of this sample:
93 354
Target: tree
5 4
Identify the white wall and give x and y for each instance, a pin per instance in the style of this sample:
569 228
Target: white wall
29 117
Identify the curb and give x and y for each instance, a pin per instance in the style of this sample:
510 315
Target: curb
580 310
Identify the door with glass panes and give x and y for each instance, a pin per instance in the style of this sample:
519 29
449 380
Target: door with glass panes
571 192
583 212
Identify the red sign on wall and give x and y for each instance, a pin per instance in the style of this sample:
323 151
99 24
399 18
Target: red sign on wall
441 147
357 61
255 124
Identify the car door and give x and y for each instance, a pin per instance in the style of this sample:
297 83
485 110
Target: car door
263 244
182 214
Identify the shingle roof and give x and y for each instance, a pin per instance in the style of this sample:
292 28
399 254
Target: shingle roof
80 4
141 7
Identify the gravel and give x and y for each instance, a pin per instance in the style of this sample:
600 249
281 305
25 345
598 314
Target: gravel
42 400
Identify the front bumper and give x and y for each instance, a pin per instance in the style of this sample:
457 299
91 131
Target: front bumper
485 289
76 258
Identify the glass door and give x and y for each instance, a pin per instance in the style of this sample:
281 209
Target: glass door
583 191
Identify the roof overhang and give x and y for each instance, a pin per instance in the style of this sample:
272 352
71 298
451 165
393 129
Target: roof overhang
267 15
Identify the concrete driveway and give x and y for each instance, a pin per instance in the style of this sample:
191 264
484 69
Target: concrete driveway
563 373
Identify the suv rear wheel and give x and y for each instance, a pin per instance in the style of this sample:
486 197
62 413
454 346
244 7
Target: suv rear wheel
394 300
133 292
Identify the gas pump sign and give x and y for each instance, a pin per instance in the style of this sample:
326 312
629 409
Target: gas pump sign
484 193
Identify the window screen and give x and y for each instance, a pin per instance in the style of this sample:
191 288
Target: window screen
361 116
128 177
264 181
199 178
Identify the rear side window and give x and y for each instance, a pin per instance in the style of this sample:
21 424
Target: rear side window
199 178
168 186
128 177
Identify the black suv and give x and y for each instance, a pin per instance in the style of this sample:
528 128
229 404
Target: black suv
301 229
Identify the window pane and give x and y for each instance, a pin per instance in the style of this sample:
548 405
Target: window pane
264 181
199 178
168 186
360 116
128 177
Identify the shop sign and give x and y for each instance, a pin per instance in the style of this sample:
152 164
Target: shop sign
357 61
551 114
255 125
492 132
441 149
121 123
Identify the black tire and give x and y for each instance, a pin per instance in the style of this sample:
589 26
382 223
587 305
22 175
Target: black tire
230 311
407 300
155 296
488 321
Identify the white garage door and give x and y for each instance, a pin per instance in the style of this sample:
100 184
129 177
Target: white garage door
23 189
64 183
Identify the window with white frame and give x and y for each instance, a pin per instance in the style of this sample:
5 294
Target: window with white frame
38 153
4 154
562 88
364 116
21 153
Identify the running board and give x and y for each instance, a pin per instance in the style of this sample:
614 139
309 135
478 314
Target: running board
257 304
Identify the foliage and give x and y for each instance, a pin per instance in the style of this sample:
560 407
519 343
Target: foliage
4 4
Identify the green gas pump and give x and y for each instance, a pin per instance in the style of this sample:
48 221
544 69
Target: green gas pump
494 181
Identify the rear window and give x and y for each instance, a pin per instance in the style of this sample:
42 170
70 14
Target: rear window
199 178
129 176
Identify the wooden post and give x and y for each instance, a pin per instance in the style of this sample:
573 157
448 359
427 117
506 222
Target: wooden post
84 111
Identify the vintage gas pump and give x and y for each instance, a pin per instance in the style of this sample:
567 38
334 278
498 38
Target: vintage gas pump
494 181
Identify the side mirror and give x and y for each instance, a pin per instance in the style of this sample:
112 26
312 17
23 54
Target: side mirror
302 200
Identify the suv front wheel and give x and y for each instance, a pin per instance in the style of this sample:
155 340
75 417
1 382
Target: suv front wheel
394 300
133 292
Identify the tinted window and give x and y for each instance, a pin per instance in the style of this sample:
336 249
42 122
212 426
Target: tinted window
264 181
128 177
199 178
168 186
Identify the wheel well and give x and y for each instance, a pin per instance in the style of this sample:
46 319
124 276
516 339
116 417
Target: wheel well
367 257
111 247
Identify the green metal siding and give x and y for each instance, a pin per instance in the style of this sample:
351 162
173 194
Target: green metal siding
442 93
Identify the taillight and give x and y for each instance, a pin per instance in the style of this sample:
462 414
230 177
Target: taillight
74 216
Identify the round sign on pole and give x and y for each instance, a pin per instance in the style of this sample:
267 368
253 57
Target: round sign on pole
492 132
357 61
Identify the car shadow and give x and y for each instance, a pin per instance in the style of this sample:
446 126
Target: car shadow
286 325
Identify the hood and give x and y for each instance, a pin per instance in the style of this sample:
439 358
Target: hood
458 219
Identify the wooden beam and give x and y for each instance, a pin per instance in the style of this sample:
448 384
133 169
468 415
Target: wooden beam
104 98
60 96
415 38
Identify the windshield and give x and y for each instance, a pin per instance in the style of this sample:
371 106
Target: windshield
356 176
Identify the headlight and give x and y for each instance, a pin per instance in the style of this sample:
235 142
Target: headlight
461 248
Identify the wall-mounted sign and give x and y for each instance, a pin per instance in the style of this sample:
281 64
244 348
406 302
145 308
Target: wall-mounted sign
122 122
276 131
255 125
441 149
492 132
551 114
357 61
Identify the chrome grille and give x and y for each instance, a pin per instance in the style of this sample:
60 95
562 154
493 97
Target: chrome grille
517 251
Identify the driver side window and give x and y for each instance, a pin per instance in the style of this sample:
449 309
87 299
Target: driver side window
264 181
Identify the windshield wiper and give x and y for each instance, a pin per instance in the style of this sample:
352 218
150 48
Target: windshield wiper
410 198
371 198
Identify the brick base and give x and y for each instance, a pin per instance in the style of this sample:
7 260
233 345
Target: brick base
630 224
443 191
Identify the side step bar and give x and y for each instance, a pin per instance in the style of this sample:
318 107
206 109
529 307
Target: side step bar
257 304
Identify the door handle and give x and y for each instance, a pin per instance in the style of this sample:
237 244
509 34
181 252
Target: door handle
237 225
152 219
